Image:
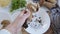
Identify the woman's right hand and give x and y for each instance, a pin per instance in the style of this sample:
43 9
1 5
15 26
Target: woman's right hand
16 26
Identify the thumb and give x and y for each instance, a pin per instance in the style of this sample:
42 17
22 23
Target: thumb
26 14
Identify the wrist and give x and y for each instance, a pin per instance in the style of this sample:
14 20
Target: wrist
11 29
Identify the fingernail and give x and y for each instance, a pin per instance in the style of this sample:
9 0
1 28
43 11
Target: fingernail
25 12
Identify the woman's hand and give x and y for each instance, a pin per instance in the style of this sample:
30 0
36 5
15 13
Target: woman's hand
16 26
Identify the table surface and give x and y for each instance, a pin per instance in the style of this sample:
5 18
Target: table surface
50 31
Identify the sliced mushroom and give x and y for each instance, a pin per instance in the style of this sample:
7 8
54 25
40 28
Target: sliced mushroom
33 7
52 1
41 2
49 5
5 23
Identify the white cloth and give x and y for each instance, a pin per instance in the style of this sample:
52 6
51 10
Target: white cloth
4 31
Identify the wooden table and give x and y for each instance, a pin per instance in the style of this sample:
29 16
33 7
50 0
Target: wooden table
50 31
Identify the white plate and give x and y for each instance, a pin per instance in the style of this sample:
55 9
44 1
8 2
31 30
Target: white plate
45 20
